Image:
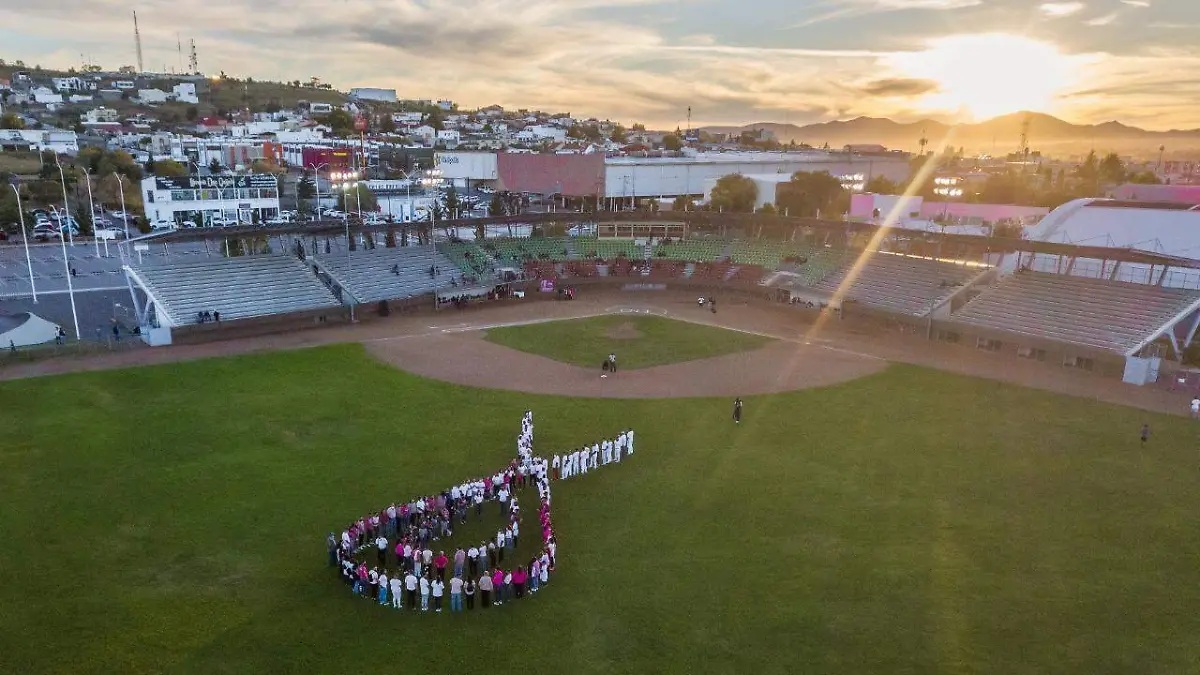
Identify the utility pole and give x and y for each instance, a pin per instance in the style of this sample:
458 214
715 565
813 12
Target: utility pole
137 39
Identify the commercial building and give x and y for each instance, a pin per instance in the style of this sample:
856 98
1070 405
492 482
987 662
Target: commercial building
619 178
373 94
202 200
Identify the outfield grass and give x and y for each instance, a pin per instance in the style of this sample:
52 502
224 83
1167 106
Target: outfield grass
171 519
638 341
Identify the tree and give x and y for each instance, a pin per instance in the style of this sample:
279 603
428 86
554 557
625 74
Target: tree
11 121
348 202
340 122
453 204
1112 169
881 185
672 143
434 119
169 168
768 209
685 203
734 194
619 135
809 193
306 189
496 207
215 165
191 113
1144 178
387 125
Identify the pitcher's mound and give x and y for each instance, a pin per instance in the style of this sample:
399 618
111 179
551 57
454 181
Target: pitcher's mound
624 331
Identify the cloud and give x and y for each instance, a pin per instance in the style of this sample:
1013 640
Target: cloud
845 9
590 57
899 86
1136 3
1103 20
1060 9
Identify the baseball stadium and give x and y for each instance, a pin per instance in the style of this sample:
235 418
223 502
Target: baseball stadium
953 453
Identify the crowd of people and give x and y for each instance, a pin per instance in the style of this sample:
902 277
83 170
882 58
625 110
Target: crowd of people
408 574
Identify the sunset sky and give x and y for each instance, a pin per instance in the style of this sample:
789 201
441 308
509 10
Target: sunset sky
734 62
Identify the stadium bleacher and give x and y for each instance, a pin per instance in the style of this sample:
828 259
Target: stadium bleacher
609 249
238 288
390 273
469 258
696 250
1107 315
900 283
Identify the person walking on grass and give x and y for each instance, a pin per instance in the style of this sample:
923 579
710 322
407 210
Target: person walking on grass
383 587
1145 433
534 572
1195 407
737 410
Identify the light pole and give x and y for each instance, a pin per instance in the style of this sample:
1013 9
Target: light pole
124 213
25 239
92 211
317 183
66 209
70 286
350 180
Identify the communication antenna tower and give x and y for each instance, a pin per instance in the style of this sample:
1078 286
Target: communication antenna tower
137 38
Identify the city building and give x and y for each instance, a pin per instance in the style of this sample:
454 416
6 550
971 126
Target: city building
207 201
373 94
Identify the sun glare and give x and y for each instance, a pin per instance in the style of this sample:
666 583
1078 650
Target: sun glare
985 75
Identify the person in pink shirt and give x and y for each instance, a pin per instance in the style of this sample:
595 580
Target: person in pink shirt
498 585
440 563
519 578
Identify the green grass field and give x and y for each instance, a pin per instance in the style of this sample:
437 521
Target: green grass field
638 341
171 519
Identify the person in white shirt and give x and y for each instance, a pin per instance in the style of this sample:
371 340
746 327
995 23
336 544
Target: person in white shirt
544 564
555 464
606 451
1196 407
397 586
583 461
381 543
383 587
618 446
499 546
439 587
410 585
391 511
427 557
473 561
594 458
629 442
424 594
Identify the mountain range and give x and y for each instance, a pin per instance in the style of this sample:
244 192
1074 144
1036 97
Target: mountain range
999 135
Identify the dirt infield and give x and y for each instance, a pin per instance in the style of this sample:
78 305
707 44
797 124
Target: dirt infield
466 358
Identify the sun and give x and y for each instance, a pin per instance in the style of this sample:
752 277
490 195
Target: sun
990 74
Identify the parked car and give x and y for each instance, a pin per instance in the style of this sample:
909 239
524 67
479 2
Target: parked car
110 233
332 213
163 225
122 216
284 218
220 221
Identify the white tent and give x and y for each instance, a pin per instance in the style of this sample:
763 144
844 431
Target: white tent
25 329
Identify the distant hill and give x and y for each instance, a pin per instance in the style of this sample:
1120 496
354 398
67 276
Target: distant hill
1001 134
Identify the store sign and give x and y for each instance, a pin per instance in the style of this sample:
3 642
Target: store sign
442 158
253 181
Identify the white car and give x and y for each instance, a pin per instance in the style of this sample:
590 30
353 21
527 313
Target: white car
110 233
219 221
282 219
333 213
163 225
121 215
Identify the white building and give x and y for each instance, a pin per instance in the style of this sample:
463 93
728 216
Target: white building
320 108
101 115
185 93
449 137
407 118
44 96
545 132
200 200
425 133
124 85
446 105
152 96
374 94
67 84
58 142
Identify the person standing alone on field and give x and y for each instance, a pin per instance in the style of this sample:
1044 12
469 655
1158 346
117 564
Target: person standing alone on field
737 410
1195 407
1145 433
